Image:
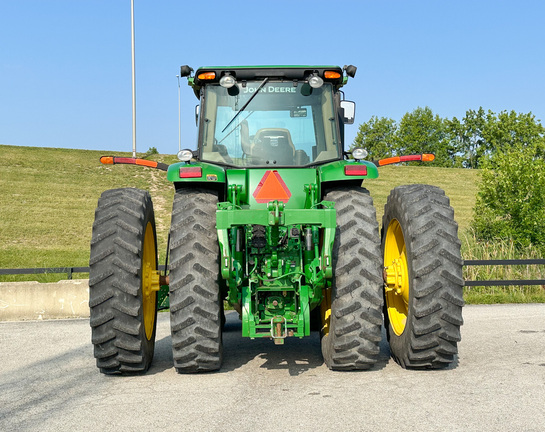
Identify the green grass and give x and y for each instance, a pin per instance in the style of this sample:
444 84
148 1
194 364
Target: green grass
49 197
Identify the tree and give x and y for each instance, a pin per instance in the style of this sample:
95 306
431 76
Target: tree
467 142
423 132
377 136
473 144
515 130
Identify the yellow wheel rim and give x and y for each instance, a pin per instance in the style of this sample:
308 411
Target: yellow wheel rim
397 277
150 281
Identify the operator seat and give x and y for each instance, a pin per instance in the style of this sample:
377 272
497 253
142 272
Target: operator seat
274 145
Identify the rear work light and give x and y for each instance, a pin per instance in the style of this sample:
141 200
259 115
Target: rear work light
355 170
190 172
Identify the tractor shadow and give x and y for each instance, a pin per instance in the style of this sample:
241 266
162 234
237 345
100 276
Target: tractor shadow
296 356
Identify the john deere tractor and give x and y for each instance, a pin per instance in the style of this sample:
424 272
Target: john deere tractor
270 216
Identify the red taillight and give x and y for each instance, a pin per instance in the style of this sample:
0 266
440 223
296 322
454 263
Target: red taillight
190 172
355 170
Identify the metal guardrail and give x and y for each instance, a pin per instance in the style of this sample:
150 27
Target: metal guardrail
70 270
505 263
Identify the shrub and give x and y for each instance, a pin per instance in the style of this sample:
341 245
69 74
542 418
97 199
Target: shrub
511 198
151 151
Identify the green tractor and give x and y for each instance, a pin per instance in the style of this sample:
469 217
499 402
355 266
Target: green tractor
270 216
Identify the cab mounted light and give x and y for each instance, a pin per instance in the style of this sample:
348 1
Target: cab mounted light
332 75
227 81
207 76
315 81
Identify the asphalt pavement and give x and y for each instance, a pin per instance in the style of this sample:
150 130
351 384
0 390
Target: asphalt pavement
49 382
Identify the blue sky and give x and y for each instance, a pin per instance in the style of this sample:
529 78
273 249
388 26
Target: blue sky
65 65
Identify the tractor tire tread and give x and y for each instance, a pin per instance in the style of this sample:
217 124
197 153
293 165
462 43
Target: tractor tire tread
356 311
431 234
114 282
195 312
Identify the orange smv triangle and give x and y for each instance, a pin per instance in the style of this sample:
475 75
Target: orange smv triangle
270 188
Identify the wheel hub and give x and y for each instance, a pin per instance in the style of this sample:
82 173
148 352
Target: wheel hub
395 276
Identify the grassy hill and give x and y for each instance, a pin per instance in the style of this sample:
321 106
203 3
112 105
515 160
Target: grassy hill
48 202
49 197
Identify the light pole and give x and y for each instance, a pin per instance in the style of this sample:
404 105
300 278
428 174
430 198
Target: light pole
179 118
133 85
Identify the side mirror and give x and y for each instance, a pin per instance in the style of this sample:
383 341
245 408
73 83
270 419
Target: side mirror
197 112
349 108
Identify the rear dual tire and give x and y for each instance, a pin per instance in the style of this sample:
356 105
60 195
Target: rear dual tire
423 272
352 309
123 281
196 305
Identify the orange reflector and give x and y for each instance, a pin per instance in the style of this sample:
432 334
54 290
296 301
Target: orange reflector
355 170
389 161
207 76
270 188
190 172
148 163
107 160
426 157
331 75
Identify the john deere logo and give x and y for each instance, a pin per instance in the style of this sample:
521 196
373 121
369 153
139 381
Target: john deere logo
270 188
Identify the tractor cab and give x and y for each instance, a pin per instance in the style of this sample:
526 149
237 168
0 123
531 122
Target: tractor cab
270 116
